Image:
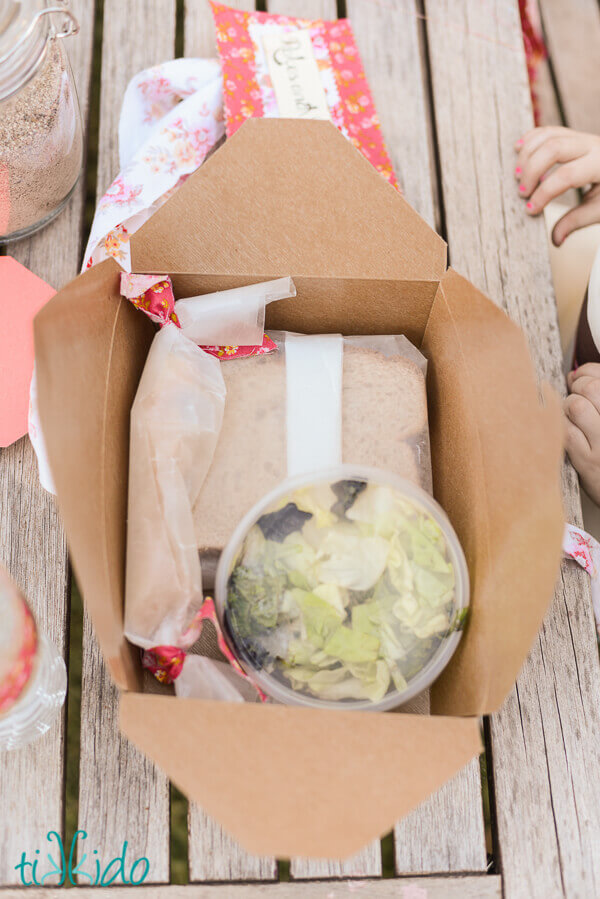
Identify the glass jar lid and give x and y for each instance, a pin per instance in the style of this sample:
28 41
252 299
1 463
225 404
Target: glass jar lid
25 26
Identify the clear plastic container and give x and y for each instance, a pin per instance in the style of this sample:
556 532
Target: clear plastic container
33 677
347 588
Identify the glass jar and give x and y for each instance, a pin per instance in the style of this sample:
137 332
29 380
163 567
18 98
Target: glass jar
33 677
41 142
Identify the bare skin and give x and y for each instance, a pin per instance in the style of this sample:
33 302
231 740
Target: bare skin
549 162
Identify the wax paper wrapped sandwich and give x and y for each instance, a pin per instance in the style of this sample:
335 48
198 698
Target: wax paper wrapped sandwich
291 474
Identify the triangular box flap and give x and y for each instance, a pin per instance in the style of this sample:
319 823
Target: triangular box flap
496 463
90 348
289 197
295 781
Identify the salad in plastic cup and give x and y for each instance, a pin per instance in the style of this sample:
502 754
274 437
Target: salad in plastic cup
344 589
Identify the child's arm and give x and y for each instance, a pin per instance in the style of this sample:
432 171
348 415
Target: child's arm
582 408
576 156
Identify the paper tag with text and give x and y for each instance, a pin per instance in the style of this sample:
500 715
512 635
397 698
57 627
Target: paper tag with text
295 75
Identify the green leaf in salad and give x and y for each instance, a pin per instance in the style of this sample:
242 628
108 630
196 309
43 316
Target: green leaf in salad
254 598
319 618
318 500
348 645
351 561
460 620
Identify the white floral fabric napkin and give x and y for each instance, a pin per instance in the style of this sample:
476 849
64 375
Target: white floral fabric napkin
172 116
584 549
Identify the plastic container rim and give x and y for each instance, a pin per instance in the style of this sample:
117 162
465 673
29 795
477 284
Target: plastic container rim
413 493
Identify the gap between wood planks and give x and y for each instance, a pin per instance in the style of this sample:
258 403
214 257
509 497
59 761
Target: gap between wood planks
75 621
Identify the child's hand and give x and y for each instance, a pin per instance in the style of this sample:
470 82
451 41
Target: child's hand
576 156
582 408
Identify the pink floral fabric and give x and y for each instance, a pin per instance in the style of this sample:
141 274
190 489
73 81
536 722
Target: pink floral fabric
247 87
238 352
584 549
153 295
166 662
172 115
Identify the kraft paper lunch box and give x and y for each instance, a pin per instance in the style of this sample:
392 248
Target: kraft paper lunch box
287 197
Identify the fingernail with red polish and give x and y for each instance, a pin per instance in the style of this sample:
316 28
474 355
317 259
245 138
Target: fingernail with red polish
518 170
522 188
520 142
529 206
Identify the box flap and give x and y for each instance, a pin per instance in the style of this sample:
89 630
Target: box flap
496 467
333 780
289 197
331 305
89 360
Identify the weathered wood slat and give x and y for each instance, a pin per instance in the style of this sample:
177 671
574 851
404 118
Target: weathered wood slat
572 33
199 29
546 737
477 887
388 39
308 9
446 832
213 854
32 541
122 796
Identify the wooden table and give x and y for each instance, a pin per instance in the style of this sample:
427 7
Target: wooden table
451 88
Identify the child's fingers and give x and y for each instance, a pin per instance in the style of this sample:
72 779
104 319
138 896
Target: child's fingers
582 413
563 148
576 445
589 370
588 387
585 213
534 138
576 173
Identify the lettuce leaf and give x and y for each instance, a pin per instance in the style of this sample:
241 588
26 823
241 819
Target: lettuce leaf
334 595
319 618
349 645
352 561
318 502
339 683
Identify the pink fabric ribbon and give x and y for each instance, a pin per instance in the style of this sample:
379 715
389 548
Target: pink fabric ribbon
154 296
166 662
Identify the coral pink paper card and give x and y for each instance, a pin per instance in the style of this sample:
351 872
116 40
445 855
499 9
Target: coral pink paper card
22 295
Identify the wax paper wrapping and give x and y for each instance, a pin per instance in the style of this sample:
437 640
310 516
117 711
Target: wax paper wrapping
231 319
175 424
